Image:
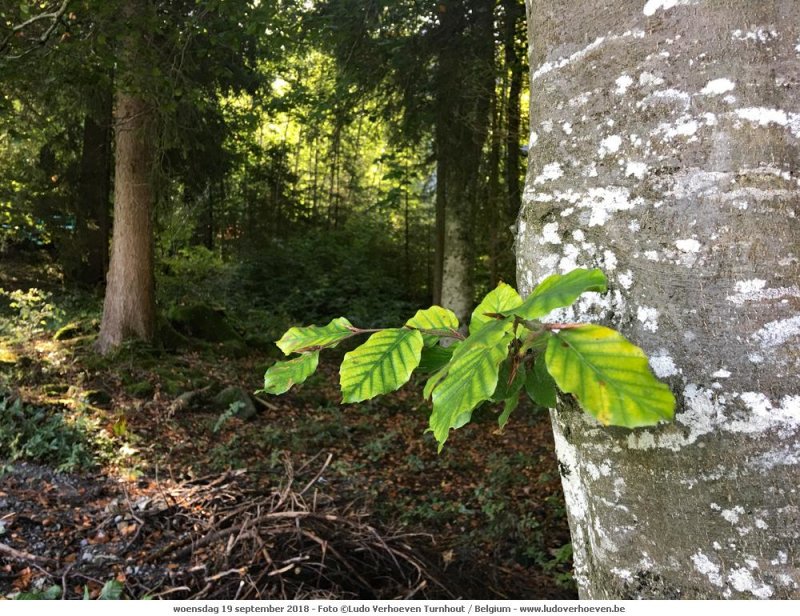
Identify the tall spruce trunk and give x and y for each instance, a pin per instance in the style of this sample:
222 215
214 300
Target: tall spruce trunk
664 149
129 306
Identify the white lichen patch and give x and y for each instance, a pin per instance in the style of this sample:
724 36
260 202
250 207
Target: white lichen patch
533 139
732 515
702 414
743 581
778 333
754 291
704 565
602 202
609 261
609 145
624 574
670 96
688 245
550 234
567 128
636 169
685 126
766 415
759 35
574 490
648 317
786 456
564 61
647 79
721 374
654 5
663 365
765 116
715 87
623 82
651 255
551 171
625 279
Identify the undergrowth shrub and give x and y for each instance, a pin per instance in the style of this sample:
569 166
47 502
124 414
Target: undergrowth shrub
46 435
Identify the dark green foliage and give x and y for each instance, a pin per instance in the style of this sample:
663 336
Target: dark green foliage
47 436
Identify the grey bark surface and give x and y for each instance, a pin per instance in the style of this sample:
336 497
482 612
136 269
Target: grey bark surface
464 80
664 149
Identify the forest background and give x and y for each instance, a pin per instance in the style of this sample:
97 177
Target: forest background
289 162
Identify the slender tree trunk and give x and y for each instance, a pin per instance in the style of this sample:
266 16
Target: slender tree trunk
465 79
94 185
129 306
515 13
665 148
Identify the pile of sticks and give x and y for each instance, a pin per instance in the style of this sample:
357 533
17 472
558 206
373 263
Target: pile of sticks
230 537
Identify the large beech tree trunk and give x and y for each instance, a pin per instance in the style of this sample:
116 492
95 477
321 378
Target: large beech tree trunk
664 149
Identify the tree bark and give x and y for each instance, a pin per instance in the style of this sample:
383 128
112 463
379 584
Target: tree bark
664 149
464 84
93 222
129 306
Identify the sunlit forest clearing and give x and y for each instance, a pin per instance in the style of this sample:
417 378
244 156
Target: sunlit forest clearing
298 160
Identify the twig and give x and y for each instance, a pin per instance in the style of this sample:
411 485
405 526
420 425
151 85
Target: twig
318 475
26 556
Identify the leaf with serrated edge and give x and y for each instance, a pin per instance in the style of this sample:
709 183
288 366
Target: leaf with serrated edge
609 376
434 318
282 375
502 299
540 385
558 291
315 337
471 377
380 365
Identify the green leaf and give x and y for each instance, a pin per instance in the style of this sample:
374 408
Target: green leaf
433 381
505 388
380 365
433 318
315 337
609 376
471 378
540 385
111 591
511 404
501 300
434 358
282 375
558 291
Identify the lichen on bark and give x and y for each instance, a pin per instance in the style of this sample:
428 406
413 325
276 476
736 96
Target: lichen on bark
664 148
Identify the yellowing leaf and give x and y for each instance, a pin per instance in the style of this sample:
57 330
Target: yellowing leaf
609 376
282 375
315 337
380 365
434 318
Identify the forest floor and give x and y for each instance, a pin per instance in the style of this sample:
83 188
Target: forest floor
139 476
